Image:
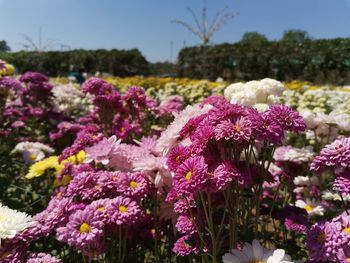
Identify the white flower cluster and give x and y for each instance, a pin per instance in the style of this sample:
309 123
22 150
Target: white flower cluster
256 253
259 94
32 151
299 155
12 221
71 100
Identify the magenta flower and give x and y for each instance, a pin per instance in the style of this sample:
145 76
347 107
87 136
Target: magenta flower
185 225
177 156
190 176
185 246
97 87
42 257
286 117
223 174
134 185
296 223
83 228
342 183
122 210
99 208
239 131
334 155
33 77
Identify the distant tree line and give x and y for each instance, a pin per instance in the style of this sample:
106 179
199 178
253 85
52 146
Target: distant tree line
295 56
58 63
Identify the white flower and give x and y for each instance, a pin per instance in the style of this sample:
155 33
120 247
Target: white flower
32 151
301 180
12 221
268 87
310 207
256 253
261 107
299 155
245 98
232 89
309 118
328 195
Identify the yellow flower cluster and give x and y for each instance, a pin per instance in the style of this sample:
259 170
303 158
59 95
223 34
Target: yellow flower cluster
38 169
7 70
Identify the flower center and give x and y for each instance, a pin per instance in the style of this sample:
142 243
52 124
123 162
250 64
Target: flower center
321 238
3 217
5 255
100 209
122 209
177 159
188 175
94 137
347 259
33 156
346 230
133 184
256 261
237 127
84 228
308 208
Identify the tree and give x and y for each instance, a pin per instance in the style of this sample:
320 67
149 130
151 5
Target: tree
4 47
295 36
253 37
205 30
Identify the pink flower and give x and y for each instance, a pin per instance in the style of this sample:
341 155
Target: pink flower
102 151
190 176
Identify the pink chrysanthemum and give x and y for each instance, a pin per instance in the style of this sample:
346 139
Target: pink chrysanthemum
190 176
83 228
177 156
239 131
223 174
185 245
122 210
102 151
43 257
334 155
185 225
342 183
286 117
324 240
97 87
99 208
182 205
134 185
296 223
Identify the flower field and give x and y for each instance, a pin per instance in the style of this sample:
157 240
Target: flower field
173 170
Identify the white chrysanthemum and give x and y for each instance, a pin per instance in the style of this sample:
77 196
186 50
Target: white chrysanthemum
261 107
328 195
302 180
32 151
342 120
311 207
245 98
12 221
70 99
299 155
266 87
255 253
232 89
309 118
23 146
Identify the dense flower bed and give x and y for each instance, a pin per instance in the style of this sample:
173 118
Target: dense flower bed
260 174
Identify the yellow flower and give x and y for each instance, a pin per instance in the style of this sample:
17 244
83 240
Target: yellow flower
75 159
38 169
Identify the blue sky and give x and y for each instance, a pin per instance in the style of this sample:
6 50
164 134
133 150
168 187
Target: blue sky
146 24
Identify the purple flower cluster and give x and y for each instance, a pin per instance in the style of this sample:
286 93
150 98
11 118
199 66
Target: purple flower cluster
328 241
207 157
